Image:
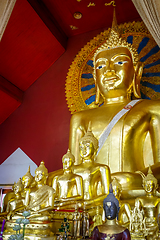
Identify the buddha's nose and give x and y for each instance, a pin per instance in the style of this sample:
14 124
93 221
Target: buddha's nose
110 69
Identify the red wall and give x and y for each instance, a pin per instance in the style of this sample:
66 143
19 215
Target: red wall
40 126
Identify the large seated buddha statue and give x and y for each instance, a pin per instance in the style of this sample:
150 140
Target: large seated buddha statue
96 176
68 186
128 131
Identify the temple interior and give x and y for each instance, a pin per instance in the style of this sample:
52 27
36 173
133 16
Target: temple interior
79 119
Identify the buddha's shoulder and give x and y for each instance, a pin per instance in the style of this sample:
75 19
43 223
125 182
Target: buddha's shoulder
89 113
148 104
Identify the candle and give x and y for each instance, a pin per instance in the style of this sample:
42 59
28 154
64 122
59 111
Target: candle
2 227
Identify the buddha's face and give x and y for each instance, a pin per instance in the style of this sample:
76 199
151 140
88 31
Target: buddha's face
110 210
114 71
67 163
17 188
26 181
40 177
86 149
149 186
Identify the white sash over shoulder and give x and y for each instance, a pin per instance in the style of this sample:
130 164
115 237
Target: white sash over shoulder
116 118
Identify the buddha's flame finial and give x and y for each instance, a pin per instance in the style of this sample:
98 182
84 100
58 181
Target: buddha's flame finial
114 22
150 170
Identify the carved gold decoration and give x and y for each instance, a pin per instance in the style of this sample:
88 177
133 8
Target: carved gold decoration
110 3
80 88
91 4
73 27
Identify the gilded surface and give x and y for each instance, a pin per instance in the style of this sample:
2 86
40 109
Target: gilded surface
80 85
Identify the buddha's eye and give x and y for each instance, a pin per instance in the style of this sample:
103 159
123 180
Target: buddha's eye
100 66
119 63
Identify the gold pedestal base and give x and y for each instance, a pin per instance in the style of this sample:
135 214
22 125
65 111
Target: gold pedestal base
33 230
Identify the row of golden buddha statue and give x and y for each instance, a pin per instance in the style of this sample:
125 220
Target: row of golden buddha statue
85 188
117 142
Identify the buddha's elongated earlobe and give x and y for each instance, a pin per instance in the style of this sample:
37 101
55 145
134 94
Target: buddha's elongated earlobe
97 95
137 79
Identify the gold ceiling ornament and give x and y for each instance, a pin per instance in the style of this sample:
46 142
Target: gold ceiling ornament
80 86
77 15
73 27
111 3
91 4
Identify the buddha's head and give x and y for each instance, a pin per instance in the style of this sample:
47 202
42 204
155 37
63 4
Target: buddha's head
150 182
68 160
117 188
41 174
116 69
18 187
88 144
111 205
27 179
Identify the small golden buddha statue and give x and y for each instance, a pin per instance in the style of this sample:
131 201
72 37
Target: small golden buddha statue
68 186
42 200
16 201
150 205
97 218
125 208
96 176
39 204
28 180
128 131
29 185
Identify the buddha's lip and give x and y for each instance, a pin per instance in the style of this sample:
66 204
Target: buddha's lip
110 79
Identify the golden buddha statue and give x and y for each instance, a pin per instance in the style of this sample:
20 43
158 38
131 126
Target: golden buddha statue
39 204
97 218
42 200
16 201
150 204
125 208
128 131
96 176
29 185
68 186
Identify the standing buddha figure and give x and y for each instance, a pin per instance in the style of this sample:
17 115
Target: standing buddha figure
68 186
128 131
96 176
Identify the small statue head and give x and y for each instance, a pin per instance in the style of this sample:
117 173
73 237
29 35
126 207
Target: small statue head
117 188
111 205
88 144
41 174
116 68
18 187
27 179
68 160
150 182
